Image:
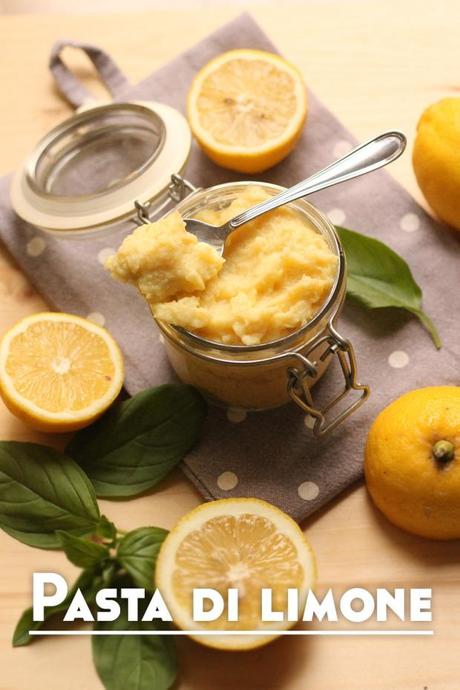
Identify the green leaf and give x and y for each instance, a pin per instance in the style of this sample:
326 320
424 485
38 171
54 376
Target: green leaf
109 571
138 552
88 582
138 441
82 552
106 529
41 491
133 662
378 277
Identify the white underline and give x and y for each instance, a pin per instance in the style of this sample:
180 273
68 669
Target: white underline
343 633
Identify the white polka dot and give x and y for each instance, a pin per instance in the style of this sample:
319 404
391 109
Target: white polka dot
336 216
309 421
104 254
161 338
96 317
308 491
35 246
398 359
236 414
410 222
341 148
227 481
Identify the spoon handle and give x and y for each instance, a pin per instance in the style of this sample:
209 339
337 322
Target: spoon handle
367 157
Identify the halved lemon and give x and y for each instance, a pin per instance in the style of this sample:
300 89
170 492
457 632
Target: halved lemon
247 109
59 372
241 543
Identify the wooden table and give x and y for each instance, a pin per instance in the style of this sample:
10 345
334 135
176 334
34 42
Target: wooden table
376 65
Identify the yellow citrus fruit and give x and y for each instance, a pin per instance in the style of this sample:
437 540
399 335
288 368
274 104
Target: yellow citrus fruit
436 159
247 109
241 543
412 463
59 372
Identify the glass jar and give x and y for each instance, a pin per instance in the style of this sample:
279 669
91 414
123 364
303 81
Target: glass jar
115 163
268 375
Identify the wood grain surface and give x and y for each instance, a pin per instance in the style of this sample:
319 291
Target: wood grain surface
376 65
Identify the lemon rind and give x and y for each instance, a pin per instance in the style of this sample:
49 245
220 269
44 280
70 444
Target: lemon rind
205 512
11 394
288 134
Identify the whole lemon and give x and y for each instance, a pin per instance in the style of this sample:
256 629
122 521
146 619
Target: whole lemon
412 462
436 159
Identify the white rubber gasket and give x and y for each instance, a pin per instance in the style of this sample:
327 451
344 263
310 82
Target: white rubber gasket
85 214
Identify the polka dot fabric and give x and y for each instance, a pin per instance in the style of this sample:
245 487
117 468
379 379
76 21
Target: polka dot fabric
105 253
398 359
336 216
227 481
236 415
35 246
272 454
308 491
410 222
96 317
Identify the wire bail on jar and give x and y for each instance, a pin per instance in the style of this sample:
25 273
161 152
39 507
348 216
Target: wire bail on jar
300 391
289 366
178 189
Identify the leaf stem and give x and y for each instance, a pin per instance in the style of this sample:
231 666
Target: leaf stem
430 327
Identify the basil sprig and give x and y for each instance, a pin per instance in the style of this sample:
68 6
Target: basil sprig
47 500
128 662
129 450
378 277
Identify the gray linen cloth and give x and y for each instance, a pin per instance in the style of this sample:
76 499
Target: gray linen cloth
270 455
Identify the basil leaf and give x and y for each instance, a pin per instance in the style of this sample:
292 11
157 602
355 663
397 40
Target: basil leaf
138 552
106 529
378 277
41 491
133 662
82 552
138 441
109 571
88 582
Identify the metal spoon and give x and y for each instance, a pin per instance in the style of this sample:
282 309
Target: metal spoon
374 154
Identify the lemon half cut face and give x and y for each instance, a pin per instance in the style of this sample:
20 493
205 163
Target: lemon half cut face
243 544
59 372
247 109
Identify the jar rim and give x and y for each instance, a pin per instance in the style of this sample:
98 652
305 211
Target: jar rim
88 214
314 215
74 123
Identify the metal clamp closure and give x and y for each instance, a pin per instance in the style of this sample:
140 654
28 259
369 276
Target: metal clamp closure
299 379
142 213
178 189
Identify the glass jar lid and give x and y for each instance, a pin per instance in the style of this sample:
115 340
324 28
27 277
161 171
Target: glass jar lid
90 169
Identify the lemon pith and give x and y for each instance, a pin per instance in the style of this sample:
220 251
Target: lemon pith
412 462
245 544
247 109
59 372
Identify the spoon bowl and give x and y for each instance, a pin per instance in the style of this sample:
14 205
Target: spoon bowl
370 156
